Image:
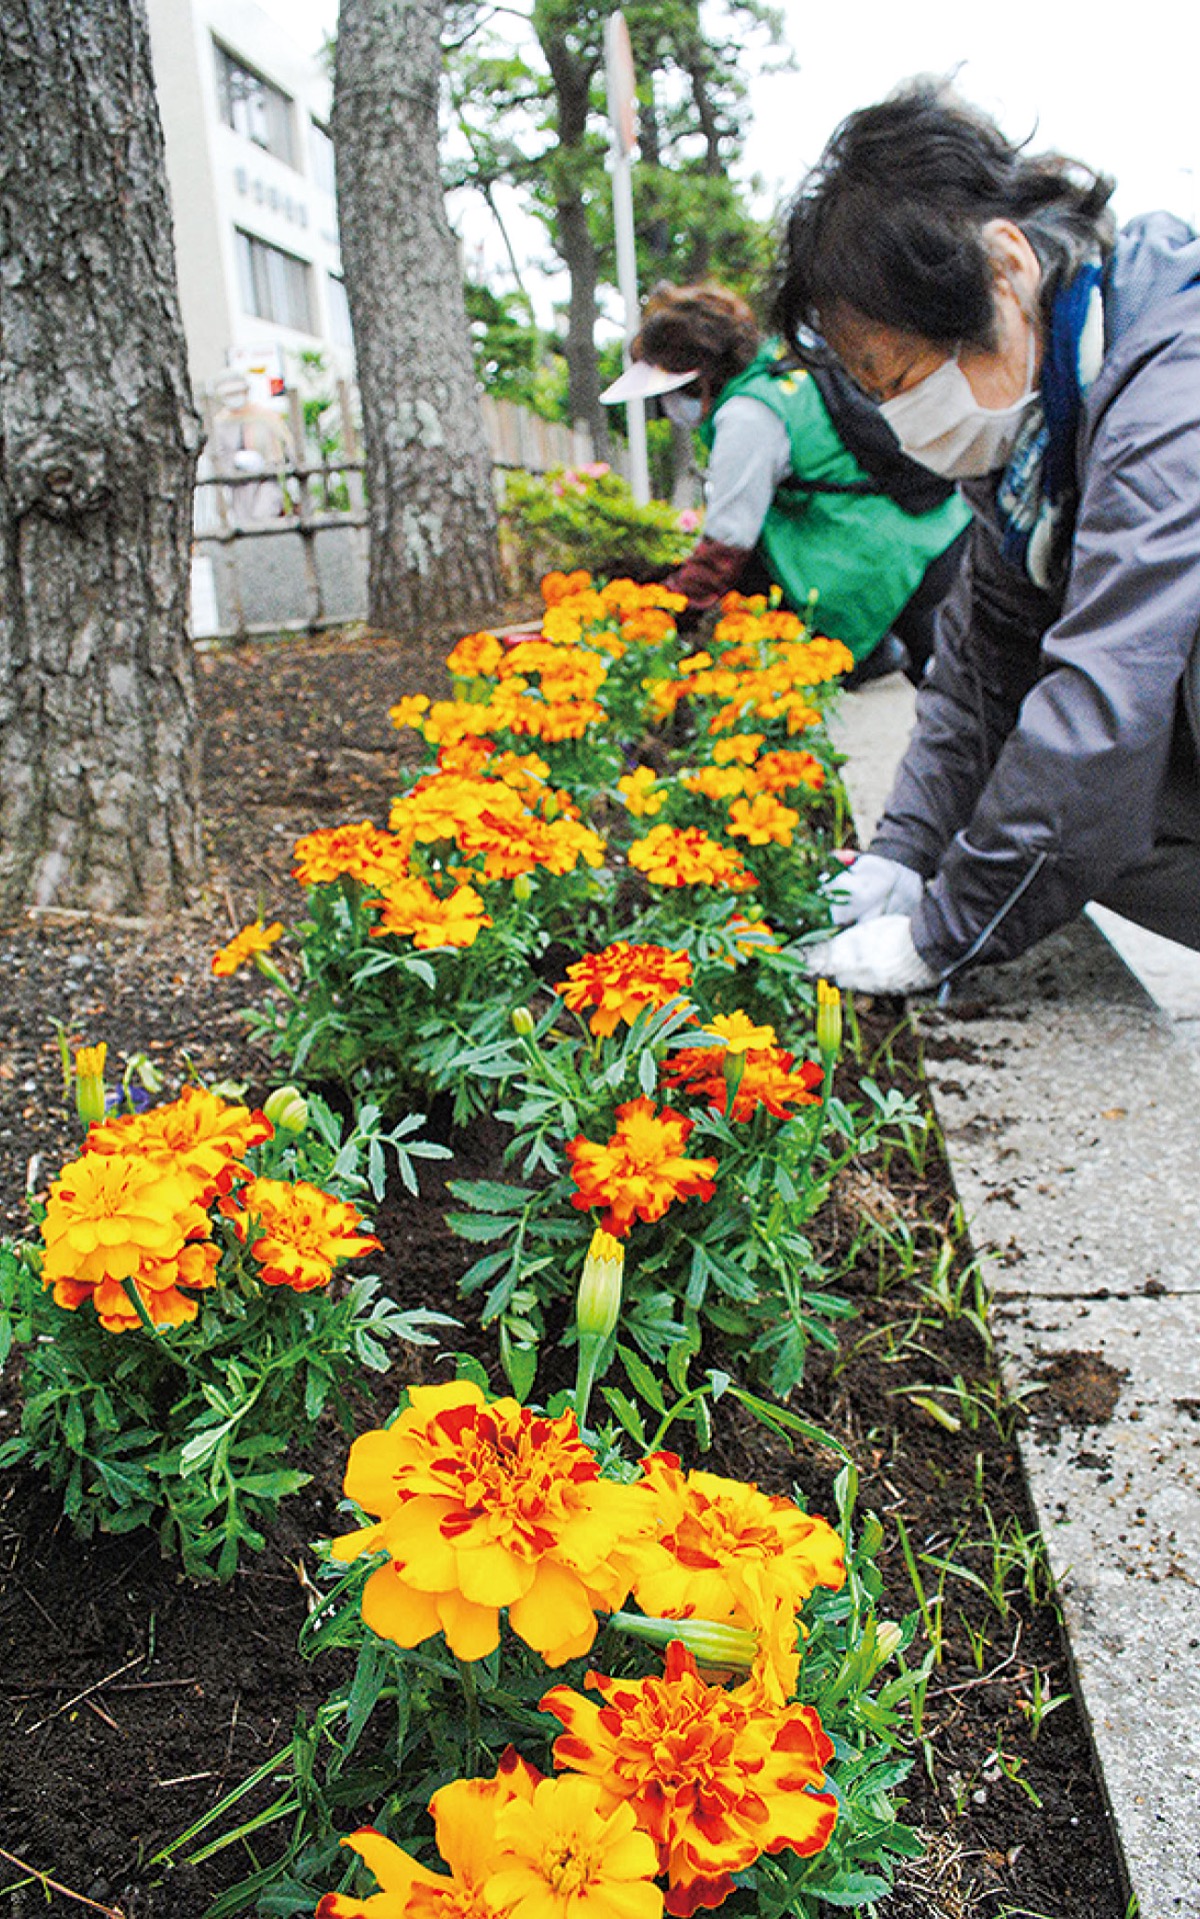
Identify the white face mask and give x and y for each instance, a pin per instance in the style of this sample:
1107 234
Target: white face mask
940 422
685 409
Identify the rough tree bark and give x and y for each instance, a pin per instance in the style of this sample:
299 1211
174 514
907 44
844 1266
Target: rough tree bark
572 73
98 436
429 473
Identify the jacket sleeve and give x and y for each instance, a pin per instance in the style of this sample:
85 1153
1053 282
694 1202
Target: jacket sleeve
1068 799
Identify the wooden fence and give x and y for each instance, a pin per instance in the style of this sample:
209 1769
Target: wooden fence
256 576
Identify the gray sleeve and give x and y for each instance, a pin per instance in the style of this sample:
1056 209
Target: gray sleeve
750 455
1071 800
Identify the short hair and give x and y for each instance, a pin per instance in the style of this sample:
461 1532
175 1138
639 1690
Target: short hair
889 222
705 326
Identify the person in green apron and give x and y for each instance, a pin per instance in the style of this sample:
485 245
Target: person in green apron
807 488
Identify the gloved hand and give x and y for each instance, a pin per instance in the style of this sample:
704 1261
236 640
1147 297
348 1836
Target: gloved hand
876 957
868 886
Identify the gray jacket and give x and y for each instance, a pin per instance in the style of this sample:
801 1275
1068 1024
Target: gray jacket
1051 750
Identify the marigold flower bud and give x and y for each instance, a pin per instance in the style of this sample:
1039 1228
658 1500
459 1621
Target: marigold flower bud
829 1021
710 1642
287 1107
89 1083
888 1639
522 888
598 1304
522 1022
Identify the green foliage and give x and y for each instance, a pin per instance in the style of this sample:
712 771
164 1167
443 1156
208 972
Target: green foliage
189 1429
588 517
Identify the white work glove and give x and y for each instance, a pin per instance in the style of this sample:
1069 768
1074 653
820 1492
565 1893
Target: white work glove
868 886
876 957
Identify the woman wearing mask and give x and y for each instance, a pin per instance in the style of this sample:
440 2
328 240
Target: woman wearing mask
1016 343
876 538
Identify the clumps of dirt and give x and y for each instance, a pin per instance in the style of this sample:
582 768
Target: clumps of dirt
1077 1389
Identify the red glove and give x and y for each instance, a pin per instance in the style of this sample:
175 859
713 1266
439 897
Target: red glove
711 570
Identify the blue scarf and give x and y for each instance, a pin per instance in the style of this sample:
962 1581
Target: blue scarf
1036 492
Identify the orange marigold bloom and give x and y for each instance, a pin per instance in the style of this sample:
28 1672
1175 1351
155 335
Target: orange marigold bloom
779 772
484 1506
686 856
717 782
296 1232
742 747
412 908
475 656
200 1135
465 756
409 711
641 1170
763 821
114 1216
255 938
752 936
363 852
622 980
727 1552
716 1778
464 1821
561 586
766 1080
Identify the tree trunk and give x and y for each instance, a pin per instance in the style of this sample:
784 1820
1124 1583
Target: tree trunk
98 436
572 75
429 470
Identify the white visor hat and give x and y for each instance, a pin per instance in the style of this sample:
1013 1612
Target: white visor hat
642 380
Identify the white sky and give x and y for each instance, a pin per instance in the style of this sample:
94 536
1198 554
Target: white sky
1111 84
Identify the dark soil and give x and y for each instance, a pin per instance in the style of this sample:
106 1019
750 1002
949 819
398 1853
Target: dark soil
136 1699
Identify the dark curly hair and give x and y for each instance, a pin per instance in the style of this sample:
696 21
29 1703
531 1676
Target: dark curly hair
889 222
705 326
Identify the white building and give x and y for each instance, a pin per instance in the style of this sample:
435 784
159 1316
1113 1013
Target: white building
250 168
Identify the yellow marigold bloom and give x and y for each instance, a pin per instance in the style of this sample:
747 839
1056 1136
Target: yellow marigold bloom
116 1216
641 1171
649 626
742 747
638 790
527 772
475 656
717 782
464 1819
412 908
621 981
570 1850
409 711
482 1506
361 852
739 1032
763 821
255 938
296 1232
715 1778
686 856
465 756
727 1552
199 1135
569 841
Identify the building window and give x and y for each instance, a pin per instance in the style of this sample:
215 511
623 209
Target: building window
253 107
320 147
275 284
340 329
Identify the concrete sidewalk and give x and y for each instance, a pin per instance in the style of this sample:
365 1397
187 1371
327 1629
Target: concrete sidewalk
1068 1089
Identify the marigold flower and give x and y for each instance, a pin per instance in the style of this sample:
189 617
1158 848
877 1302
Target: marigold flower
412 908
115 1216
763 821
727 1552
296 1232
641 1170
780 772
686 856
89 1082
766 1080
621 981
409 711
637 789
574 1848
363 852
742 747
829 1021
561 586
739 1032
464 1819
715 1778
717 782
199 1135
482 1506
475 656
255 938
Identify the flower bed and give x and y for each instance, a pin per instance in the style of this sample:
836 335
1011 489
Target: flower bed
651 1237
